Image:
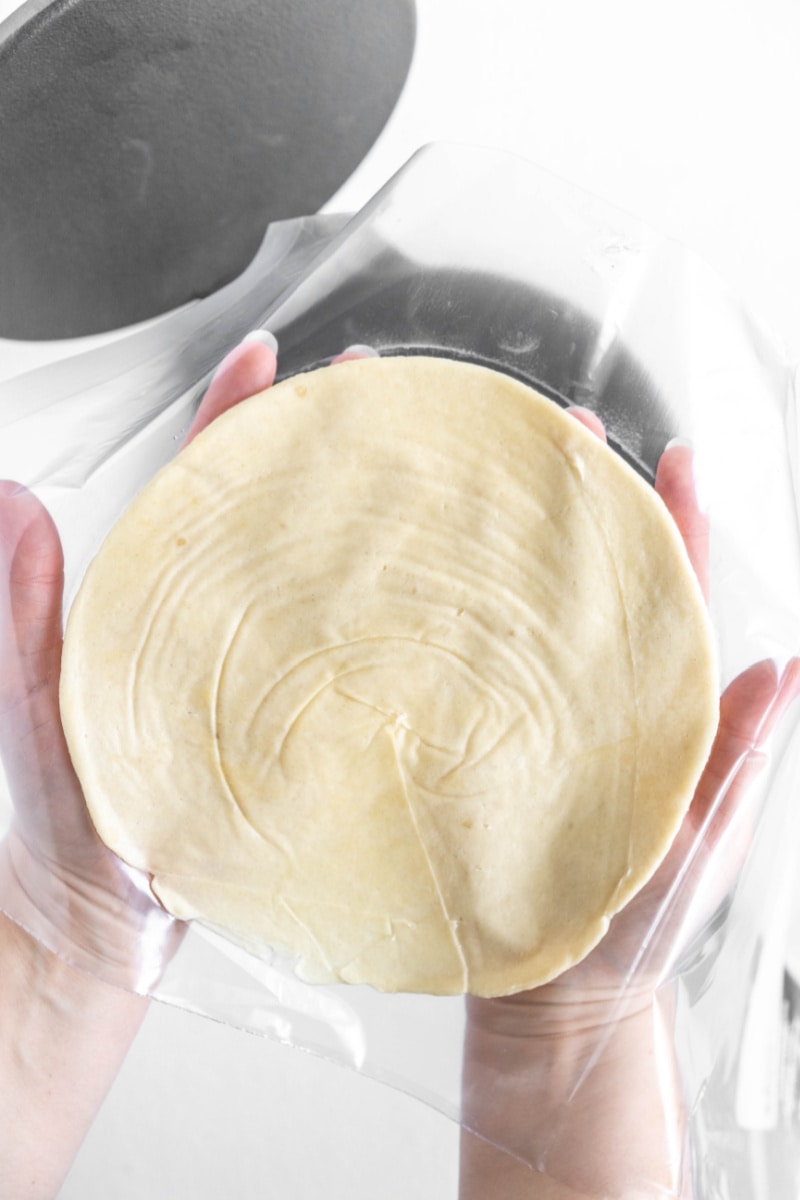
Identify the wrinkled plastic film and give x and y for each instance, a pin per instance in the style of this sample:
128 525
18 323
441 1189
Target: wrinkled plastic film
480 256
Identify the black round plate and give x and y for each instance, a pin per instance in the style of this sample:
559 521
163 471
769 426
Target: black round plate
145 145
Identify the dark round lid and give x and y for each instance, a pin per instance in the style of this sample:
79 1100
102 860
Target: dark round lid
145 145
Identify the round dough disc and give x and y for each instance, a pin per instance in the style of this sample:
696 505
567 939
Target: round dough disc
396 670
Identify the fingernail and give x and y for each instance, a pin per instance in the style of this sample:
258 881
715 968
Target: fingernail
262 335
361 351
678 441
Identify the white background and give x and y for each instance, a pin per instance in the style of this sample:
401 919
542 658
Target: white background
686 115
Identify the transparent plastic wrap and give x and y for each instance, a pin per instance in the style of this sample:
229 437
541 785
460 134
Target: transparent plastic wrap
477 256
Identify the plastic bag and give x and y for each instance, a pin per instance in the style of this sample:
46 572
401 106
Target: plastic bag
481 256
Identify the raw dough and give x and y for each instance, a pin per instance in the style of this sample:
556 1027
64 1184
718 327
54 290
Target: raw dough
398 671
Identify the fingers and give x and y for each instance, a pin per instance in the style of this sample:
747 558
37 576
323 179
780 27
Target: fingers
249 368
31 584
719 817
676 486
590 420
354 352
32 743
787 691
750 708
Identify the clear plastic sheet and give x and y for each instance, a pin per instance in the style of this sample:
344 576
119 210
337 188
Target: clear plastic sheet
481 256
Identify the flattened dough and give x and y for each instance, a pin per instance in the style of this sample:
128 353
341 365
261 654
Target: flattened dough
398 671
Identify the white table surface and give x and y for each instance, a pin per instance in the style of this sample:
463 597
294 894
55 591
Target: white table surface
684 114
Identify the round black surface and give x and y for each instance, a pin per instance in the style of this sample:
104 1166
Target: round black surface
146 145
545 341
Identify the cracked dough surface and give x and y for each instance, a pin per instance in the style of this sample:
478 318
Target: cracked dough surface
396 670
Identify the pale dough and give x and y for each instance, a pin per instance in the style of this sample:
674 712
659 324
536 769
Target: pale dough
398 671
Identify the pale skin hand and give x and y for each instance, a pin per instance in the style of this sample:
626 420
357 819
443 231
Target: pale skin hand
621 1132
64 1033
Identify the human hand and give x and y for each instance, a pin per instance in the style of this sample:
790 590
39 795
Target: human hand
713 841
57 879
629 963
577 1077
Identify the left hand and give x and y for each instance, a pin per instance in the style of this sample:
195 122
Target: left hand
57 878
